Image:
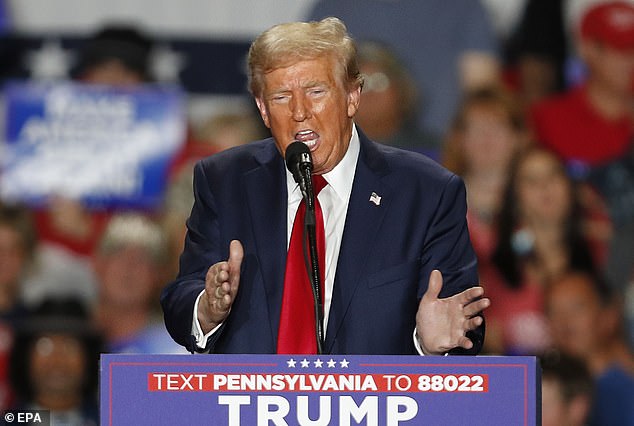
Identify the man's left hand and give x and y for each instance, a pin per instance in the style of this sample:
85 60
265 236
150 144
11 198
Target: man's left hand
442 324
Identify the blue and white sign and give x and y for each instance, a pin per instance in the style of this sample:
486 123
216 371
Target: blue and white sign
108 147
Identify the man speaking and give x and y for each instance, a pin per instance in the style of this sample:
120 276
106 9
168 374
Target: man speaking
396 273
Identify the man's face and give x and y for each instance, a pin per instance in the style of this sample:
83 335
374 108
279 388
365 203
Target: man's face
57 365
613 68
113 73
127 277
307 101
575 316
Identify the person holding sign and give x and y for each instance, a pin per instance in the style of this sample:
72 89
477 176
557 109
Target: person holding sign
396 271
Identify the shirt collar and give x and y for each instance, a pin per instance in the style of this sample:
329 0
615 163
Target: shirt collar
340 178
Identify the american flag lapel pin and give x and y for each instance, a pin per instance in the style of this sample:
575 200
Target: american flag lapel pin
375 198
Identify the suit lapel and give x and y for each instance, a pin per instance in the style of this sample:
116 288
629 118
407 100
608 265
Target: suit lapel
266 194
363 221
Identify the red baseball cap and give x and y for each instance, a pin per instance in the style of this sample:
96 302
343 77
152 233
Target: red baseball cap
611 23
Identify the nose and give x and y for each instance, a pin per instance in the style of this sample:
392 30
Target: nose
300 108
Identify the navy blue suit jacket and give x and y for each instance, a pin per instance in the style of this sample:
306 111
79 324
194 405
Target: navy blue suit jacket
387 251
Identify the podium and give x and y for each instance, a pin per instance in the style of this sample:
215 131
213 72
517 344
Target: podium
316 390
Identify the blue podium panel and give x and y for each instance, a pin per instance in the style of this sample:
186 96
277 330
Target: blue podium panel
319 390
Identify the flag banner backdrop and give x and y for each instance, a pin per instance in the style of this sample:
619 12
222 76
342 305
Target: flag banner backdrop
203 66
319 390
108 147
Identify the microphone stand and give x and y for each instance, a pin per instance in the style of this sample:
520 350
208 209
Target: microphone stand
313 268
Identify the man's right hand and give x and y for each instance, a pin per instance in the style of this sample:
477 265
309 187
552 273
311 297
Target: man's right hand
221 287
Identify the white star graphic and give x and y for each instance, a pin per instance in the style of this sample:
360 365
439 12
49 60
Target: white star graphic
166 64
332 363
305 363
344 363
291 363
49 62
318 363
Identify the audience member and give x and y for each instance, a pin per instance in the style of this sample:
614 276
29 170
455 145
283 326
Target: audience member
567 388
615 183
586 321
448 46
18 244
129 264
534 48
217 133
18 241
487 133
540 236
214 134
591 124
226 130
116 55
61 268
389 105
55 363
31 271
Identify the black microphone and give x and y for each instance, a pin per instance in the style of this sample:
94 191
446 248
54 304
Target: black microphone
300 164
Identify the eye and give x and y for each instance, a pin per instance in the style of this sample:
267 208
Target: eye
281 98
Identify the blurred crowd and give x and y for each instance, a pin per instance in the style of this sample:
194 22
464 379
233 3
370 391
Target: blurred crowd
532 108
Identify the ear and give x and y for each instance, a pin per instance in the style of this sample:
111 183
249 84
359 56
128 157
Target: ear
354 98
263 111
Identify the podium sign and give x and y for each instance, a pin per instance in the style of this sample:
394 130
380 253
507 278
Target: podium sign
318 390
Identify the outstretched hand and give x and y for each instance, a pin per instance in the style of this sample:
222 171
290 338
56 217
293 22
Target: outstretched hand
442 324
221 286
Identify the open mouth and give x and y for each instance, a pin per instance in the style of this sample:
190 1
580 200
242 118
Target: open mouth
308 137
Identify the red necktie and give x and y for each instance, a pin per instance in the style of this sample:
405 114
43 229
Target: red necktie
296 334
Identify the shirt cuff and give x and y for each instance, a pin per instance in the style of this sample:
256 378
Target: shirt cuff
419 349
197 332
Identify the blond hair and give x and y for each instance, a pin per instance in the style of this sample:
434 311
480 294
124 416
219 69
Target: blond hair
286 44
134 229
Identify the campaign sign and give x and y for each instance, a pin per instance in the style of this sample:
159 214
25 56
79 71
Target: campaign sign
105 146
318 390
